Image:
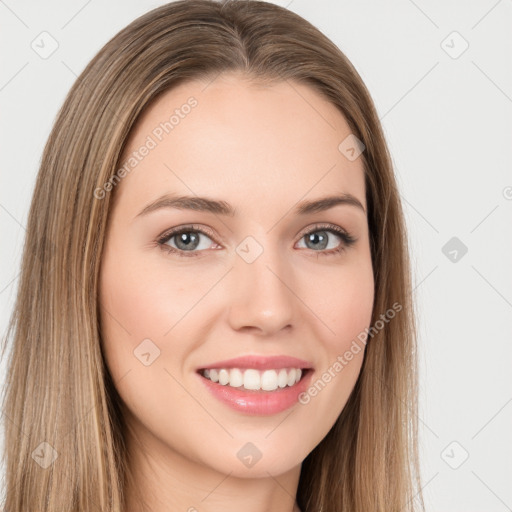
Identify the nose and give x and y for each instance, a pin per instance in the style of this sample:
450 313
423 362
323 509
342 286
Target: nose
262 298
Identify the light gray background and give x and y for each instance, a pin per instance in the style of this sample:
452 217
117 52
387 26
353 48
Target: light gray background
447 118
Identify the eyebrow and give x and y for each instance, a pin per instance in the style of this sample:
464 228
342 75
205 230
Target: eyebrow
205 204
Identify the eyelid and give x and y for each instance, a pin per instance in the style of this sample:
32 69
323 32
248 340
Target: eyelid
167 234
324 225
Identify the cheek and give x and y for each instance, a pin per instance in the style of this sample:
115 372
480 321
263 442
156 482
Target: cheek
351 310
139 306
141 299
131 310
343 303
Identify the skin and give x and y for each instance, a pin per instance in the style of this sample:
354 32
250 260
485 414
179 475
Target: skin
262 149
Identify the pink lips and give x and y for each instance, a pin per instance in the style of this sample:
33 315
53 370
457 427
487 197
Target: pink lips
259 402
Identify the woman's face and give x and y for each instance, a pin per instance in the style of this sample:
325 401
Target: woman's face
257 274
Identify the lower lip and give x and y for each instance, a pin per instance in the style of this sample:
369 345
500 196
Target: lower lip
261 403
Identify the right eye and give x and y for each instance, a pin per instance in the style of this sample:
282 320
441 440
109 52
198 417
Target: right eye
186 240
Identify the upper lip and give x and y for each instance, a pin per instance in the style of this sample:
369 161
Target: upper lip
260 362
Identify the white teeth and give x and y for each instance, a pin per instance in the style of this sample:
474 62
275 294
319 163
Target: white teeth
282 378
267 380
236 378
223 376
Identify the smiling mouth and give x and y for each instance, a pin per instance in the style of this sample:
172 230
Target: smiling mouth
251 379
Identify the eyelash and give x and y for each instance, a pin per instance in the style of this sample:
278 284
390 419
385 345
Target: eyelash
347 239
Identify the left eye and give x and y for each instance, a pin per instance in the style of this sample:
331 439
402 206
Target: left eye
319 239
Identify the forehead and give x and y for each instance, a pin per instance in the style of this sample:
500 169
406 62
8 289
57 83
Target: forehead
233 139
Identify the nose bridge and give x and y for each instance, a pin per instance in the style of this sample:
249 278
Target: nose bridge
261 295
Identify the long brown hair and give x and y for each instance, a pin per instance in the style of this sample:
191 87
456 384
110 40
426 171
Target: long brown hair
59 398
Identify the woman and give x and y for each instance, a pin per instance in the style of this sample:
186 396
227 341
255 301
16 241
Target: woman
177 343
